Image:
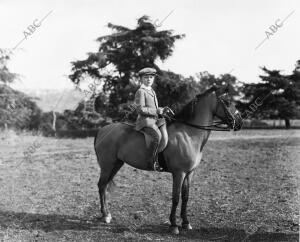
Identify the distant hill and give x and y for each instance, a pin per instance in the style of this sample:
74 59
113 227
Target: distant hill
58 100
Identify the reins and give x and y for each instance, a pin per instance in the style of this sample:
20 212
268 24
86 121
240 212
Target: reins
214 127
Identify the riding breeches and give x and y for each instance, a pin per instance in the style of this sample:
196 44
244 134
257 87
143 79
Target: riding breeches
155 140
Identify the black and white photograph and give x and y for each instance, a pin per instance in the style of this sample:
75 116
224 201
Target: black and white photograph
150 120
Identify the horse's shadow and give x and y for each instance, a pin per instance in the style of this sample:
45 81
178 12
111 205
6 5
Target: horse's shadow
45 222
214 234
222 234
53 222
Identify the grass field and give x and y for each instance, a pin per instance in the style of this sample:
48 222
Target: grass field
245 189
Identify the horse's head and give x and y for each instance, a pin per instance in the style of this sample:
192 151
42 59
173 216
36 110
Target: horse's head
214 102
225 109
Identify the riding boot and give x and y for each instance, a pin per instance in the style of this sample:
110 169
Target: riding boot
156 165
153 157
150 155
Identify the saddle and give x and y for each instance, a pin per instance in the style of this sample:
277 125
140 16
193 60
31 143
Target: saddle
129 112
147 137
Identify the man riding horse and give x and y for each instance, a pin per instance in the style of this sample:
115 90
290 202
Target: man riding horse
149 120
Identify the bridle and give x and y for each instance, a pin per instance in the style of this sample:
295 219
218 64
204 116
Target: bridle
216 125
229 115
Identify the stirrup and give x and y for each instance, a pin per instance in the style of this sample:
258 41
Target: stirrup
157 167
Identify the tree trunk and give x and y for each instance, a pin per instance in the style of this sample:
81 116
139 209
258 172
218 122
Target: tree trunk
54 121
287 123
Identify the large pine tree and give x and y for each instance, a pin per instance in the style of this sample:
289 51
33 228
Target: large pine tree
121 55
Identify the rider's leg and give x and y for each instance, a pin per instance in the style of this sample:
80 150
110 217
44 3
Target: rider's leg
152 150
164 137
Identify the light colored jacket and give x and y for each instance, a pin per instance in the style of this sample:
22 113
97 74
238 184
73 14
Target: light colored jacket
147 101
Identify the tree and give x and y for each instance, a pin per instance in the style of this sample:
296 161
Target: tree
121 55
5 75
278 95
206 80
180 90
18 110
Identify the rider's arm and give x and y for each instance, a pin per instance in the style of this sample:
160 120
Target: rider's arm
140 101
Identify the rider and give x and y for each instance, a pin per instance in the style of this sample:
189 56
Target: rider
148 120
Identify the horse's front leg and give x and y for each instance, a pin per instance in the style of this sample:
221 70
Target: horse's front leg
185 198
178 178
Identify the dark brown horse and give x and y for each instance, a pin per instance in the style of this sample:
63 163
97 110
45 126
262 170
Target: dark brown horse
188 133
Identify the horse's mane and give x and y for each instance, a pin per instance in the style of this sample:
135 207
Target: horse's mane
188 111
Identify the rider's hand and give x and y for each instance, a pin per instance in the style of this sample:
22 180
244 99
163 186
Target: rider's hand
168 111
165 110
160 111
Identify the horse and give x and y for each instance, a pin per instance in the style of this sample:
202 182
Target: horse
188 130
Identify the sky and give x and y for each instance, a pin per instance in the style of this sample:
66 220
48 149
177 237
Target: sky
222 36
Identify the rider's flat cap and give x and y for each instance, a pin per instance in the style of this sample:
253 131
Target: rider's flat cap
147 71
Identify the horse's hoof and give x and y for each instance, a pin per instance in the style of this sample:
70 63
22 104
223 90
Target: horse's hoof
107 218
187 226
174 230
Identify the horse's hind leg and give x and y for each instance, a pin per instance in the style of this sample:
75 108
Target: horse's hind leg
106 176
